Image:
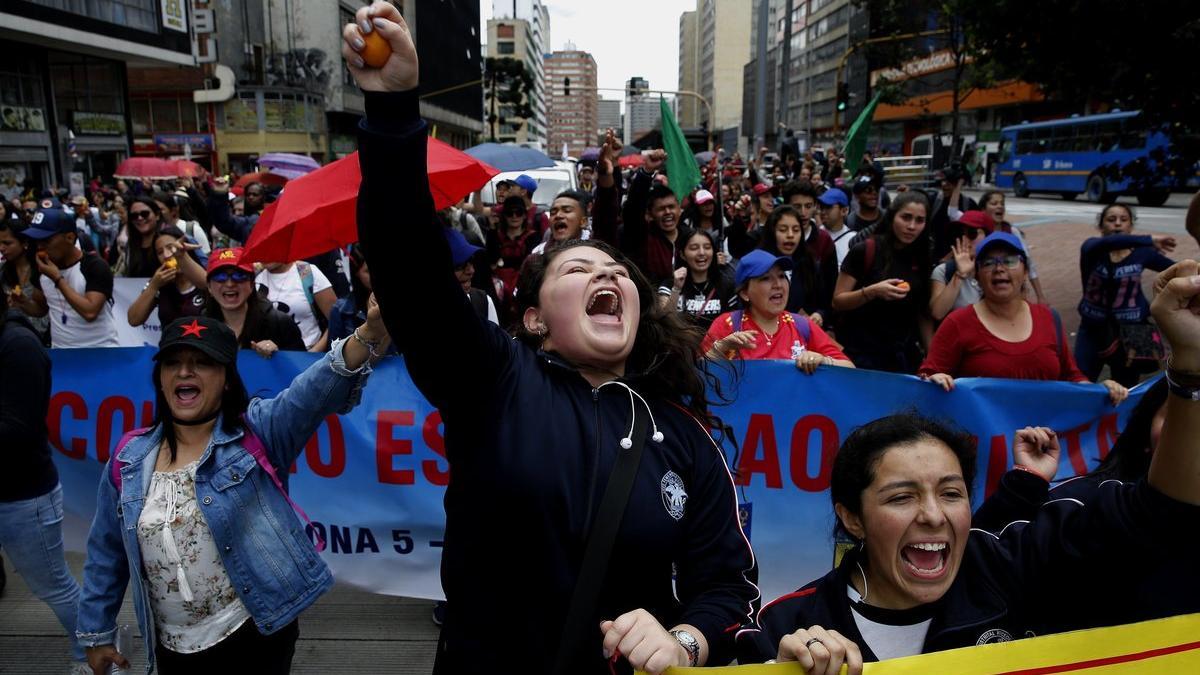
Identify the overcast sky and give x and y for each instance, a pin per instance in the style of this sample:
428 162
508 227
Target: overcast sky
626 37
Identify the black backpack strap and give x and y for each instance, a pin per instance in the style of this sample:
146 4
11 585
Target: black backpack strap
581 620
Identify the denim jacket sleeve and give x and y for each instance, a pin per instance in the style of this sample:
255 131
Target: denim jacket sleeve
286 422
106 571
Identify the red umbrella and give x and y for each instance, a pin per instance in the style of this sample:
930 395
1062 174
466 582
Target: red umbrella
154 168
630 160
264 177
317 212
185 168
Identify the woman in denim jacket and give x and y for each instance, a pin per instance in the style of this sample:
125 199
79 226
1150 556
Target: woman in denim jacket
221 566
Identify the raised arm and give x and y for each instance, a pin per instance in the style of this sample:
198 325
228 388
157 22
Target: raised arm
1175 467
222 218
392 148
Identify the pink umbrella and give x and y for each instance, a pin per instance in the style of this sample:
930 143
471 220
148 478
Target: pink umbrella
185 168
146 167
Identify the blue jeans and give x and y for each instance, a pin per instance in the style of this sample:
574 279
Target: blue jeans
31 536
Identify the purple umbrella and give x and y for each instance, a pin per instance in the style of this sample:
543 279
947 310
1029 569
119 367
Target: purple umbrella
288 164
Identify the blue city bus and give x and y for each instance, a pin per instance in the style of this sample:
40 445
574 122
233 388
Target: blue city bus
1102 156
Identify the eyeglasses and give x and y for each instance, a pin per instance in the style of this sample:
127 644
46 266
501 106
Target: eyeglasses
138 215
238 276
1009 261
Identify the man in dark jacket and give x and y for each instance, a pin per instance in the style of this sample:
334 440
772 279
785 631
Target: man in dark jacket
651 233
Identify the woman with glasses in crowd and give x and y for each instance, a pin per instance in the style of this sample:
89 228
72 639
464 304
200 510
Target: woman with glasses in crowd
1003 335
135 246
255 321
953 283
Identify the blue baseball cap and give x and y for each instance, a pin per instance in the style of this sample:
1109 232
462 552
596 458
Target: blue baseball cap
995 238
460 249
757 263
834 197
48 222
526 183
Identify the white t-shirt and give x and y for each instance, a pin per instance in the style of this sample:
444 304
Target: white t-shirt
69 329
197 233
841 241
889 641
288 288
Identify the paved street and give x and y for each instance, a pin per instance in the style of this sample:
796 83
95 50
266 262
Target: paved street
352 631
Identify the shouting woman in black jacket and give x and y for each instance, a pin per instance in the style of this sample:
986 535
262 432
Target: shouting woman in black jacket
534 428
922 580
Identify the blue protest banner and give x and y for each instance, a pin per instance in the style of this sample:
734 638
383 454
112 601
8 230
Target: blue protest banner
373 480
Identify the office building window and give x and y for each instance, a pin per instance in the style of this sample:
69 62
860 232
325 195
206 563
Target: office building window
139 14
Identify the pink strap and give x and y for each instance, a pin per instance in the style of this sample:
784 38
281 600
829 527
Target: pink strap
115 476
255 447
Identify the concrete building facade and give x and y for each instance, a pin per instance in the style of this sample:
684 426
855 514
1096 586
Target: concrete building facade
571 110
520 29
723 33
65 113
608 116
689 69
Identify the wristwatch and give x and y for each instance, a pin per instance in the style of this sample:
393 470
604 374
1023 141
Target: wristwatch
689 644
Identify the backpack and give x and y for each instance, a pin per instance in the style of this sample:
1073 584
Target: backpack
306 280
802 324
253 445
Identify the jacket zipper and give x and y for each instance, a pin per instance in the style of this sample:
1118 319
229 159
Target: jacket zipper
591 500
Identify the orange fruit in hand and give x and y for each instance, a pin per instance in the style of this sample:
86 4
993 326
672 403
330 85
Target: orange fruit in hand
376 50
903 285
172 263
43 256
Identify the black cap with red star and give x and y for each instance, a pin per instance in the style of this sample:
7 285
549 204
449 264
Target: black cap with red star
206 334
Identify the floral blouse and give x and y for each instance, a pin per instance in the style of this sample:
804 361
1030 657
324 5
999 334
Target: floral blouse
193 602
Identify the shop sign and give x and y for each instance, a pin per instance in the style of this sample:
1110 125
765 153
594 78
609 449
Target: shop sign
172 142
174 15
934 62
17 118
98 124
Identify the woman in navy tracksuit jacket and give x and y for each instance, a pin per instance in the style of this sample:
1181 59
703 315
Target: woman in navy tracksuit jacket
532 436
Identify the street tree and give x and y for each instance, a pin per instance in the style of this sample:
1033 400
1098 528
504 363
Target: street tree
508 89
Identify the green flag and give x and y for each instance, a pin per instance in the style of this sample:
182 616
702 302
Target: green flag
682 172
856 138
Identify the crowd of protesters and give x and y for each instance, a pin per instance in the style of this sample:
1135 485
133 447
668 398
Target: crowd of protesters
623 297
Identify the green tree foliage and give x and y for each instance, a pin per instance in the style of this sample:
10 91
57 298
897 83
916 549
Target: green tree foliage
508 85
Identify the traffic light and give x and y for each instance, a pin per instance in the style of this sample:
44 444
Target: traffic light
567 86
843 96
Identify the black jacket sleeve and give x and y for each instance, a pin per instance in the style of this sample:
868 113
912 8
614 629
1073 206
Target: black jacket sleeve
422 292
1019 497
742 239
633 218
24 390
222 218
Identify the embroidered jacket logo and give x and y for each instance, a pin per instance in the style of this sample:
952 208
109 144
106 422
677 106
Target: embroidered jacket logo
993 636
674 495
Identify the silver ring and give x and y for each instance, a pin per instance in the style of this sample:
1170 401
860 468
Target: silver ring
816 640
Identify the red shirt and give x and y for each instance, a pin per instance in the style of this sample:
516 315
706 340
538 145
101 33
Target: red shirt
963 347
777 346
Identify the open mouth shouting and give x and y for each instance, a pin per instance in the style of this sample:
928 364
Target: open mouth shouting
925 560
186 395
605 306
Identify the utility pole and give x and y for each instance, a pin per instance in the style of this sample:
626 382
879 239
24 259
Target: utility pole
785 62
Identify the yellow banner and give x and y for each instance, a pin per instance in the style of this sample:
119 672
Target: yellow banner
1161 646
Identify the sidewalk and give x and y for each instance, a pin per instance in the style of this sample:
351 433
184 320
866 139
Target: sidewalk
347 631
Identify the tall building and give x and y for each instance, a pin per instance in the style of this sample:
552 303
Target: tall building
572 107
689 69
288 87
520 29
64 117
724 33
608 116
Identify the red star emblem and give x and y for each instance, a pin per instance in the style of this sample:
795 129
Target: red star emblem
194 329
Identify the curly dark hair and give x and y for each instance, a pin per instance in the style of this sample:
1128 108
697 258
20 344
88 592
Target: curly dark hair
664 358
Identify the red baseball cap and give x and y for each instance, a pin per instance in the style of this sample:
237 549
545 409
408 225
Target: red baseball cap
761 188
228 257
978 219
